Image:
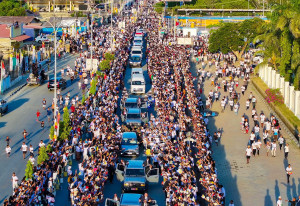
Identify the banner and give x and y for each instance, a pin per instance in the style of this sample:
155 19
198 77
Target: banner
38 56
2 70
21 60
33 54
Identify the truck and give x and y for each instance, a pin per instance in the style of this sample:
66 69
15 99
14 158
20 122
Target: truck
129 144
138 85
135 176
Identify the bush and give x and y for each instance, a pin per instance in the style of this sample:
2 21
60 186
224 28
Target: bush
29 170
43 156
104 65
109 56
274 96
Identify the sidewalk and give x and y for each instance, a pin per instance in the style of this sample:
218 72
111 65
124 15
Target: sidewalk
264 179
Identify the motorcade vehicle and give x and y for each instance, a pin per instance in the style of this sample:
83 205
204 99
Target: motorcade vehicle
137 50
135 176
36 79
137 84
135 71
3 107
129 144
128 199
210 114
61 83
135 60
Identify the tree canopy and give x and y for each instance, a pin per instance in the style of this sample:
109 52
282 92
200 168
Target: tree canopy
11 8
234 37
280 41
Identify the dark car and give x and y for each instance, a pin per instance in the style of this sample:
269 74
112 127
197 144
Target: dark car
61 83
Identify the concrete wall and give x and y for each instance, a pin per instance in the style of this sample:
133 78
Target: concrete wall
274 81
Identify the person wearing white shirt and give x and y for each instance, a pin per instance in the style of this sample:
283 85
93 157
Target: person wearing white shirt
273 150
280 141
279 201
258 145
14 180
288 173
231 203
8 150
248 153
24 149
286 150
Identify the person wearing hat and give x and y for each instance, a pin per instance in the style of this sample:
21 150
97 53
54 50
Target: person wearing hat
279 201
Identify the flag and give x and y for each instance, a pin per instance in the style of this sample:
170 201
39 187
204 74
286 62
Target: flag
11 62
2 69
177 23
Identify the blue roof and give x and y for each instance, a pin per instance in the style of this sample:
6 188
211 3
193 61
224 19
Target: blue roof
131 199
131 100
134 110
135 164
129 135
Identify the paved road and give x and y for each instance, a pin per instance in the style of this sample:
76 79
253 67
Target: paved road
264 179
22 115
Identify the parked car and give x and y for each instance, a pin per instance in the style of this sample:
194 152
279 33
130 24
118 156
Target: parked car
60 82
3 107
41 39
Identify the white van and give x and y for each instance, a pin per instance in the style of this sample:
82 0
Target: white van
135 71
138 84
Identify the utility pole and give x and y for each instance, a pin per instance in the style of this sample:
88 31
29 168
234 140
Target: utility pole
111 25
248 8
263 8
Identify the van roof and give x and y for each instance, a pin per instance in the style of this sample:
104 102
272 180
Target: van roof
131 199
136 69
131 100
134 164
136 47
134 111
137 76
129 135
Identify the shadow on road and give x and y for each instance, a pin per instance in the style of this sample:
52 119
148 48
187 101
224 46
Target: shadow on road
268 200
15 104
2 124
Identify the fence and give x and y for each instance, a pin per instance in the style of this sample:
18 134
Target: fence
275 81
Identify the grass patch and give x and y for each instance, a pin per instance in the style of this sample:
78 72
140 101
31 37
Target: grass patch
282 109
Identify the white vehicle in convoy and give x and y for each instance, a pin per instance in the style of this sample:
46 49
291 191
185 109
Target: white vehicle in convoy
137 50
138 85
135 71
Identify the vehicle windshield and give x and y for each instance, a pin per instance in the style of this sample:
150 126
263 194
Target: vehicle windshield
136 52
133 116
129 141
131 105
137 83
135 172
135 59
138 41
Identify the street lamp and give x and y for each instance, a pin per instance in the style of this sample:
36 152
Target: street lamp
111 29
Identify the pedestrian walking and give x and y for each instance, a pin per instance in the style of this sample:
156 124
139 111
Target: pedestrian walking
42 124
289 172
253 148
49 114
231 203
268 147
14 180
253 102
279 201
24 149
248 153
38 114
25 134
31 150
286 150
258 145
7 140
44 102
273 148
280 141
7 150
293 201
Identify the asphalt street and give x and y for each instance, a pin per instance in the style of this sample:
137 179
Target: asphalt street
22 115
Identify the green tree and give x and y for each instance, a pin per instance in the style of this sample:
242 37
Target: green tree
93 86
64 126
83 99
11 8
43 156
109 56
29 170
104 65
234 37
51 134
